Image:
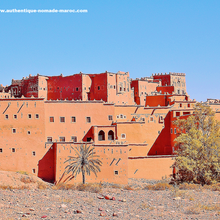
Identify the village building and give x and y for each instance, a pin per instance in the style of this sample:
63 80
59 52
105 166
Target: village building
128 122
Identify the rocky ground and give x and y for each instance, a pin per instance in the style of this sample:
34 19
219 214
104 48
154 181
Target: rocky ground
36 200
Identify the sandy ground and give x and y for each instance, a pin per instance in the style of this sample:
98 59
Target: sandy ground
106 203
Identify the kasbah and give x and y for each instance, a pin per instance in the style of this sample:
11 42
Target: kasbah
127 121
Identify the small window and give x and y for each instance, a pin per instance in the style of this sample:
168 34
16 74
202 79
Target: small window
27 104
110 135
186 113
123 136
13 130
37 116
124 116
51 119
88 119
15 116
33 153
6 117
29 116
171 131
28 132
151 119
188 105
62 139
13 150
88 139
1 150
98 87
74 138
174 130
77 89
33 170
62 119
73 119
180 105
117 116
161 119
121 116
49 139
101 135
116 172
110 117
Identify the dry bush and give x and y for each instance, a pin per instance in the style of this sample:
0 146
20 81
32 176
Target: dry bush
65 200
89 187
5 187
213 187
193 209
198 207
116 186
41 185
90 201
149 187
27 179
144 206
63 186
159 186
189 186
127 187
21 187
178 193
213 207
191 198
22 172
14 187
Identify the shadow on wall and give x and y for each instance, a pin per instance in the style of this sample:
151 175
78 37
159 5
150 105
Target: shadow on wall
46 166
162 145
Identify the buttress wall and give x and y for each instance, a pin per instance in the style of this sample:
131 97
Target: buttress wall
114 167
22 134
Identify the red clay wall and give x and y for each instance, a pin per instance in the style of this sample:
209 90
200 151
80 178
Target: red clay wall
165 79
165 89
69 87
47 165
163 145
26 86
98 88
134 84
156 100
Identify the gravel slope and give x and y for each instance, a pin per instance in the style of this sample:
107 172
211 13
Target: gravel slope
110 203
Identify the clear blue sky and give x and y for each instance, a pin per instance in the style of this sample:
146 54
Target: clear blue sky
142 37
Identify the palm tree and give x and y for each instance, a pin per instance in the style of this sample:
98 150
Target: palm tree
86 161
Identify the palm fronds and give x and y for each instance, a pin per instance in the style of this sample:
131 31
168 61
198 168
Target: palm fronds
85 161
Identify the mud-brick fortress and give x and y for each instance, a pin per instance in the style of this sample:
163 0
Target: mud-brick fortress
127 121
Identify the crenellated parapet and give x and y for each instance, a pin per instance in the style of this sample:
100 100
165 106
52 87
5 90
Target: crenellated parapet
170 73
